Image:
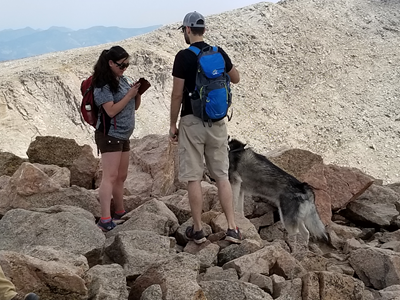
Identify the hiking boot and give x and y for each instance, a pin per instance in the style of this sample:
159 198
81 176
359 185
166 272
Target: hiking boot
117 219
197 236
106 226
233 235
30 296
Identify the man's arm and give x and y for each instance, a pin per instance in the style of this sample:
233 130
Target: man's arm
176 101
234 75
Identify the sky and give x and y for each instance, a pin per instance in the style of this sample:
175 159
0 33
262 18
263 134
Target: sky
82 14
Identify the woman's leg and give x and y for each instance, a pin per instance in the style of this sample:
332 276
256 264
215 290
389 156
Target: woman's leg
110 164
118 188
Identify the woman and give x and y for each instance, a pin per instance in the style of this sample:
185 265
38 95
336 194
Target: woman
117 101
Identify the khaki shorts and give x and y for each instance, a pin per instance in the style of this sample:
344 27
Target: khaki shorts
106 143
198 143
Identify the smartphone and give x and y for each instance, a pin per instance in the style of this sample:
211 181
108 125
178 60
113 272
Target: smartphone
141 81
144 85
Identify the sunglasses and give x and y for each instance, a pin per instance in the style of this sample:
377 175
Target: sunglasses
122 66
183 29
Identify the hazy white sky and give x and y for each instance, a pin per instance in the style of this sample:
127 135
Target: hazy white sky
80 14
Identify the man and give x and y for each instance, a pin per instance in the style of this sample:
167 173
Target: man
7 290
197 141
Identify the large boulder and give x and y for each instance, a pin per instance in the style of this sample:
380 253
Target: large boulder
227 289
176 275
377 206
382 269
63 152
52 274
107 282
40 186
269 260
21 230
156 156
152 215
331 286
135 250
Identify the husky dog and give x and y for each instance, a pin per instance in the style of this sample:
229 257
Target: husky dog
254 174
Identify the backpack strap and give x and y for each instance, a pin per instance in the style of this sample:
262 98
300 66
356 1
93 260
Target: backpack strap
194 49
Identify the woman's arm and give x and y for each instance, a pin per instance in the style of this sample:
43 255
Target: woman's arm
112 109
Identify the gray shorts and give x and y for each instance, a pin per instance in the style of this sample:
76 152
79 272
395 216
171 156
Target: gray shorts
199 143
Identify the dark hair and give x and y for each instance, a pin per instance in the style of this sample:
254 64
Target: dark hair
103 74
197 30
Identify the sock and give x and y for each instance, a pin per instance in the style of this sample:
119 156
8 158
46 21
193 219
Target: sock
105 220
121 212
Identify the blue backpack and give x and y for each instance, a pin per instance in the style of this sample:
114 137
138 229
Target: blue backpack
212 95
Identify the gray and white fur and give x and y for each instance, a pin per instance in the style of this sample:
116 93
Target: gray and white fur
254 174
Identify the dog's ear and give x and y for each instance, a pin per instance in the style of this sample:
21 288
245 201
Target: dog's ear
234 144
304 186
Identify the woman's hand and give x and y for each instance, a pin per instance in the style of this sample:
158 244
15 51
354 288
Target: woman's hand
133 90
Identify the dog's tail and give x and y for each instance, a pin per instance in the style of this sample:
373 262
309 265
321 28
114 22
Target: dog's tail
314 224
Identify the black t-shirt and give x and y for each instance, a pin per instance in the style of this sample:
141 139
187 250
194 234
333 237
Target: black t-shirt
185 67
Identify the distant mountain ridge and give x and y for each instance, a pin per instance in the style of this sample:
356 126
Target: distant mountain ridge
26 42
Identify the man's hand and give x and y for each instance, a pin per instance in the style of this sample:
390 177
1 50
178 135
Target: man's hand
173 134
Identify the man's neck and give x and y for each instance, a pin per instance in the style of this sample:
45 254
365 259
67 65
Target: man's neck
196 38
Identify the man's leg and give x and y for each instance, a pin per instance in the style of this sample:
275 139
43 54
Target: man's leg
196 203
225 197
7 289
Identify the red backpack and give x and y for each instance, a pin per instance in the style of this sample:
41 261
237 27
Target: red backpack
89 109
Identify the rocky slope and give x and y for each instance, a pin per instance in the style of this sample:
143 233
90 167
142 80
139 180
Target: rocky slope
316 74
50 244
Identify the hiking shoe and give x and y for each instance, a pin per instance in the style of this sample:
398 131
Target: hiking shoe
30 296
117 218
197 236
233 235
106 226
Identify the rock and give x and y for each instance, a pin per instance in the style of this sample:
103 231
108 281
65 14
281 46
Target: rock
153 292
382 269
9 163
107 282
155 155
21 230
296 162
225 289
73 196
206 253
135 250
152 215
60 175
327 285
64 152
345 184
172 274
217 273
377 206
49 278
234 251
269 260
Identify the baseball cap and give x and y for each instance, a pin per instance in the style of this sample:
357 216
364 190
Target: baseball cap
193 19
